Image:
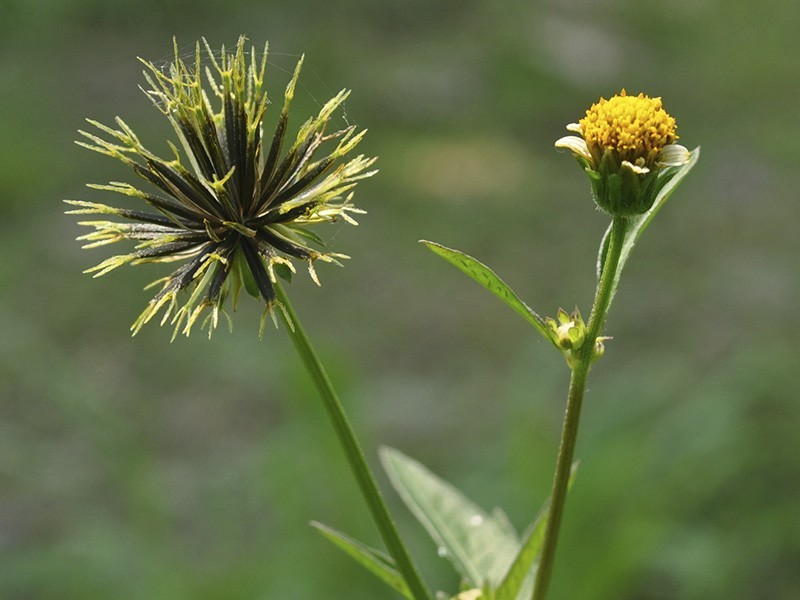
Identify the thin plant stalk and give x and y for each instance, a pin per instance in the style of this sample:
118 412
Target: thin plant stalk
569 434
352 448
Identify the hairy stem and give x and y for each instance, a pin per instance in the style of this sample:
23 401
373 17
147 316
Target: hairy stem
355 455
577 386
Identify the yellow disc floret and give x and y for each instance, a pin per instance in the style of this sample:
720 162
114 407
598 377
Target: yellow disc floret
636 127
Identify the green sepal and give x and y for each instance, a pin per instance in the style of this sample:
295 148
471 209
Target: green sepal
480 545
666 175
305 233
583 162
609 162
593 175
612 201
283 271
242 272
488 279
375 561
667 182
649 187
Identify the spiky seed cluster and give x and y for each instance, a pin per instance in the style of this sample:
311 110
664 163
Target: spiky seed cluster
627 148
636 127
233 208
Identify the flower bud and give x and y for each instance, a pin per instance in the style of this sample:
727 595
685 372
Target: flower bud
569 332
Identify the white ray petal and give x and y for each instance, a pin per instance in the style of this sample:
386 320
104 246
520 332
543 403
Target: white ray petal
673 155
575 145
635 168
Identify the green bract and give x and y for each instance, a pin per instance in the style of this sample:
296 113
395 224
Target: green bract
231 207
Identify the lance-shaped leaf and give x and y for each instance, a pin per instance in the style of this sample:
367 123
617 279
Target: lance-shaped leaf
373 560
480 545
489 279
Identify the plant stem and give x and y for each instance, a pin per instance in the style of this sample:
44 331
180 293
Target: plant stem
355 455
577 386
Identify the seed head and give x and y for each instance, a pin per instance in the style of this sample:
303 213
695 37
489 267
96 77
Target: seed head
232 207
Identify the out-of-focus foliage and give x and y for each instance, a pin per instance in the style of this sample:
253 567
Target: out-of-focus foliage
136 468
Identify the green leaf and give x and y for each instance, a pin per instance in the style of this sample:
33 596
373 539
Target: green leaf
373 560
488 279
480 545
518 582
639 223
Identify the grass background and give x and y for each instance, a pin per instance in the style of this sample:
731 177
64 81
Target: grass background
132 468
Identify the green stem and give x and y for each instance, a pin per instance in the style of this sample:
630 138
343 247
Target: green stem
577 386
355 455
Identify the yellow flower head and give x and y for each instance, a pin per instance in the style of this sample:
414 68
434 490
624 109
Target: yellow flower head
636 127
627 147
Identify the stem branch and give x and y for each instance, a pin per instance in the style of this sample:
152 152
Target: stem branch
355 455
577 386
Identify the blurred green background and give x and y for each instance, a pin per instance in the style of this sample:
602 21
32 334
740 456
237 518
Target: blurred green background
135 468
